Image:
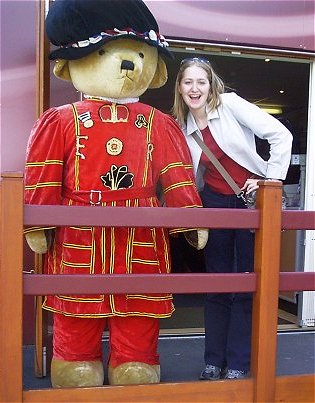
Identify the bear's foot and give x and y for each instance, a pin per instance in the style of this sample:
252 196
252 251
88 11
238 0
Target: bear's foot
66 374
130 373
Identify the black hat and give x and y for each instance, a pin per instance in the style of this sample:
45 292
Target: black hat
79 27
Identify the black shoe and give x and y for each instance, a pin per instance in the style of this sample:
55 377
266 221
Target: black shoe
210 373
236 374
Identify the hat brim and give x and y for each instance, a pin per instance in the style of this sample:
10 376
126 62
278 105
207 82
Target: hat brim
74 53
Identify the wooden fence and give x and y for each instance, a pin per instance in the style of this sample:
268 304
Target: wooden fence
268 220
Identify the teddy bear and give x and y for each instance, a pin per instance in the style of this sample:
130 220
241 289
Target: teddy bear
108 149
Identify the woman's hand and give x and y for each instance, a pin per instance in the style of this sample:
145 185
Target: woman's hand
250 185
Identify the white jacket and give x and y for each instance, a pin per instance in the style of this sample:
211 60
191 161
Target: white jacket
234 125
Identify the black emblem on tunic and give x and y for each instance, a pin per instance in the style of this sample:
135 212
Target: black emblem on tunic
141 121
118 178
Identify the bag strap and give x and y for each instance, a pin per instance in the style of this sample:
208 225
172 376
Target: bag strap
236 189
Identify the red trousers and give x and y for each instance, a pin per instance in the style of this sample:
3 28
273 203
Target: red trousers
131 339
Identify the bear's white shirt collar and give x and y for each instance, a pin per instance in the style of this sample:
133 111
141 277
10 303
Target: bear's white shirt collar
113 100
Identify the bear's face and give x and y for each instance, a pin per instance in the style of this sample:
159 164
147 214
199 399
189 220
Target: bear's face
122 68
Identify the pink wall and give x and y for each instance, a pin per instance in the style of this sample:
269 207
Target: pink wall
273 23
18 48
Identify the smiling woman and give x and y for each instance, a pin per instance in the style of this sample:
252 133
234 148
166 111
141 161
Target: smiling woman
226 125
249 75
258 68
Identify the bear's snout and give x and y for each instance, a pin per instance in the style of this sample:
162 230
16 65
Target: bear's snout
127 65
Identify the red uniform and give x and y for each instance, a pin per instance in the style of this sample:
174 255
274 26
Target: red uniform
96 152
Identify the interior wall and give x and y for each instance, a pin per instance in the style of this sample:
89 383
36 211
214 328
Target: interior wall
18 80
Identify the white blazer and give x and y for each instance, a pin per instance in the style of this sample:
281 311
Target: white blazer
234 125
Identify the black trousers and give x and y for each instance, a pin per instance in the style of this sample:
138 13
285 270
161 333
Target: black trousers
228 317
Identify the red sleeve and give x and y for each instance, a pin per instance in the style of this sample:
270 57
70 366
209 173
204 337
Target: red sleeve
44 160
176 169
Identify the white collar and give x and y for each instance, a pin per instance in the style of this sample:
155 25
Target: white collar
113 100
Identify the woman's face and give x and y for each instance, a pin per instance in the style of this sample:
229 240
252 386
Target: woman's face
194 88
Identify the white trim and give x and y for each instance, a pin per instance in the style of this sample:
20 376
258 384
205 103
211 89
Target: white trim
240 48
307 308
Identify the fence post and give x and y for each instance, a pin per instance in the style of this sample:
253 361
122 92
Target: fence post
265 305
11 291
42 103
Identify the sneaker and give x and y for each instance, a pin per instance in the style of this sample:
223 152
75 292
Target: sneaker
236 374
210 373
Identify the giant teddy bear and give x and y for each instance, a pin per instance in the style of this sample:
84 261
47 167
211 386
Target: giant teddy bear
107 150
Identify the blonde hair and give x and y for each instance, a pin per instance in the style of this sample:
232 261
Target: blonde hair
217 87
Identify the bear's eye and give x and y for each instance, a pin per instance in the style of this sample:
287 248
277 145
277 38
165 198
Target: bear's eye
141 55
101 52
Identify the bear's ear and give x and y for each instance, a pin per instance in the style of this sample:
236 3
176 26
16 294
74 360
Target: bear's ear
61 70
160 76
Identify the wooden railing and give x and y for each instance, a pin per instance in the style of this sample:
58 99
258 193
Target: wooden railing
268 220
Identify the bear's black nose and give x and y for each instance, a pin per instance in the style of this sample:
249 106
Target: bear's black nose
127 65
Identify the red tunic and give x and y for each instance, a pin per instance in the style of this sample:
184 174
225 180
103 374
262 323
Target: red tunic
94 152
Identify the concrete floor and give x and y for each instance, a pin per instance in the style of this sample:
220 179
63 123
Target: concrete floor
182 357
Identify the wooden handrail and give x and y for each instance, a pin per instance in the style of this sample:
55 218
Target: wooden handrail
138 283
289 389
180 283
169 217
160 217
298 219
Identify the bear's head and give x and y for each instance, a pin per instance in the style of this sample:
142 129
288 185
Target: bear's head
110 49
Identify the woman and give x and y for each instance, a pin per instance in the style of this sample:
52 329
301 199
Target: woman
227 124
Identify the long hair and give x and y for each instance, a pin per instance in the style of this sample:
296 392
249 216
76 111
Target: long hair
217 87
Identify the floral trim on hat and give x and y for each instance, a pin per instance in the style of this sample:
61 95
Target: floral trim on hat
150 35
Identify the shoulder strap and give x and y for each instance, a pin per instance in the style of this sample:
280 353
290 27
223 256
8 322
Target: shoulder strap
236 189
